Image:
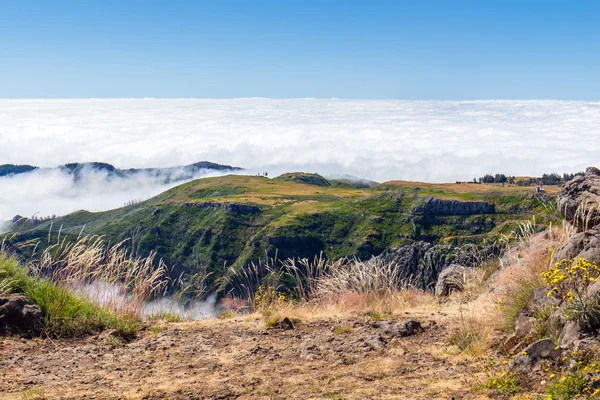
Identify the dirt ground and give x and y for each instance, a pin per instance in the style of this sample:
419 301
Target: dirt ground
348 357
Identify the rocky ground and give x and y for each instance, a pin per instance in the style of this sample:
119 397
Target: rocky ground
350 357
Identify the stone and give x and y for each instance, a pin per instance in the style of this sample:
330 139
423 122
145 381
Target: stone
524 325
452 278
569 335
579 200
286 324
541 300
593 290
20 316
584 244
542 350
408 327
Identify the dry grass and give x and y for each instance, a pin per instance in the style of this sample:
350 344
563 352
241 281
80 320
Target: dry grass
109 276
471 187
470 333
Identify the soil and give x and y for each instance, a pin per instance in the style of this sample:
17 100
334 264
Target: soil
347 357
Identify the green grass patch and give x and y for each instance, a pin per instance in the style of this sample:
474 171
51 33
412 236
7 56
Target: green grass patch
504 386
66 314
343 329
568 387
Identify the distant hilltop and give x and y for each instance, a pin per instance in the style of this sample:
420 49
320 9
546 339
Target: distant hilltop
76 169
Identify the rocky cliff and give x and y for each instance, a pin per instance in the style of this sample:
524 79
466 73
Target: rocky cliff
433 206
421 262
579 203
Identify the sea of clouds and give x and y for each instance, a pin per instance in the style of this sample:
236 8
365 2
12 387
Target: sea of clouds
373 139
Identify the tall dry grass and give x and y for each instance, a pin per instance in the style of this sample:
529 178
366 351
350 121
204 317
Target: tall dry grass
109 275
321 285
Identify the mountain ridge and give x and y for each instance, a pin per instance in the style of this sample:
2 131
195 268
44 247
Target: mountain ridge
78 167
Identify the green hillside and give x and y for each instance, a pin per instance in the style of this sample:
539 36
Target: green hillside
210 224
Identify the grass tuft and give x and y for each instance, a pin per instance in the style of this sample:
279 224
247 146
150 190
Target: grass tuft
66 314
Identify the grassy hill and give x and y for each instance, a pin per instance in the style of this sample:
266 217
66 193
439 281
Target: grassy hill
210 224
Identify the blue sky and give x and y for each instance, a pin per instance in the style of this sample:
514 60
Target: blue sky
346 49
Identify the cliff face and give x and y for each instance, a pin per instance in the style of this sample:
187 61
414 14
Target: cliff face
579 203
421 262
579 200
433 206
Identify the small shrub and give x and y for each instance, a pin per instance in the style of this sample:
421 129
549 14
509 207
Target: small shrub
568 280
505 385
349 360
267 299
376 315
32 394
341 330
463 340
226 314
156 329
518 298
272 321
468 335
114 341
568 387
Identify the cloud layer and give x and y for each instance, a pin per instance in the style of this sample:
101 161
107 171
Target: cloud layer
373 139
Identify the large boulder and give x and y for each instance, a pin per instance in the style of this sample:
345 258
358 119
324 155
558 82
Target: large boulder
569 335
452 278
579 200
542 350
408 327
584 244
524 325
19 316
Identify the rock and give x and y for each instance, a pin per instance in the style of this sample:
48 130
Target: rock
524 325
581 245
433 206
421 262
593 290
286 324
452 278
541 300
20 316
544 349
579 200
569 335
408 327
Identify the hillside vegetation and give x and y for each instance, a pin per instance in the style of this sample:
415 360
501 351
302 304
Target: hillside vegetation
204 227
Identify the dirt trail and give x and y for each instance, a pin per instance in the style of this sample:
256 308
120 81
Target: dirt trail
241 358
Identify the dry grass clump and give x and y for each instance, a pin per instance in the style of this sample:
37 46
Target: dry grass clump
110 276
470 333
312 289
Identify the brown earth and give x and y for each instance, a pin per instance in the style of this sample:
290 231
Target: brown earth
338 357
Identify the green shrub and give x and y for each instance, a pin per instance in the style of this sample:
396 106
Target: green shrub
342 329
463 340
505 385
66 314
568 387
376 316
517 299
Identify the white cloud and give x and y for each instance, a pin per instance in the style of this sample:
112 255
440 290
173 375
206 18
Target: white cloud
374 139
